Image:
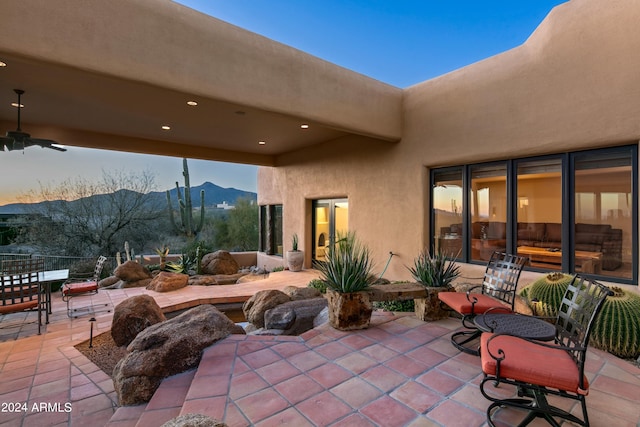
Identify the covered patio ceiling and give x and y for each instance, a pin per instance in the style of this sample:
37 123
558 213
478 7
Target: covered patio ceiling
92 84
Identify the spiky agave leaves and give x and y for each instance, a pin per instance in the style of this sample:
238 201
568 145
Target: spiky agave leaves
348 265
545 294
617 328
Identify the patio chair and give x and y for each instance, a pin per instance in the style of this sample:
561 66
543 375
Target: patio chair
82 286
538 369
20 287
497 292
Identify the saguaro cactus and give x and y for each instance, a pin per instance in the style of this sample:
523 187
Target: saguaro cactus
187 225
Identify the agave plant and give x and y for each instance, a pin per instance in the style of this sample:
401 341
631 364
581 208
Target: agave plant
347 266
434 271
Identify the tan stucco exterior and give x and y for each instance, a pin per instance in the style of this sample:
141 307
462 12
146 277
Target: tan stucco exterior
106 74
572 85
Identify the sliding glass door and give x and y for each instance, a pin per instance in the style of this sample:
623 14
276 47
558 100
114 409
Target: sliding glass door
330 218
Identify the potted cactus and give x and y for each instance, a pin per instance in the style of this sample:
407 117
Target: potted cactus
347 272
295 257
435 272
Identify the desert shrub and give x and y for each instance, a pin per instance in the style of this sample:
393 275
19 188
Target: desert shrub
403 306
319 285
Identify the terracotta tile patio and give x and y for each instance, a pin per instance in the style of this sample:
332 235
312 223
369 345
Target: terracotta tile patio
399 372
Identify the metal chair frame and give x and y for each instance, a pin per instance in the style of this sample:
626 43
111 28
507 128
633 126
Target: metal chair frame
500 282
577 313
20 288
68 292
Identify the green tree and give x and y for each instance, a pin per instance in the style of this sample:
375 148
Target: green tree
243 226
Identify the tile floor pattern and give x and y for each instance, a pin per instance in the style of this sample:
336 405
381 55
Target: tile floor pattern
399 372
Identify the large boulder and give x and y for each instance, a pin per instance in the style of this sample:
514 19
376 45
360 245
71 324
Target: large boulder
168 348
202 280
166 281
296 293
108 281
217 279
294 317
132 316
131 271
219 262
131 274
255 307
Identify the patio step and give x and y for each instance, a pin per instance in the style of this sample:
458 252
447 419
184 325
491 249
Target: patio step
165 404
200 390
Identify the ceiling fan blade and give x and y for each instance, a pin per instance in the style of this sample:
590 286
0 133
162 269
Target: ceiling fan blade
55 147
44 143
19 140
5 143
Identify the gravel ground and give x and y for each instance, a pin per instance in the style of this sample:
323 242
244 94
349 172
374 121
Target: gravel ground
104 353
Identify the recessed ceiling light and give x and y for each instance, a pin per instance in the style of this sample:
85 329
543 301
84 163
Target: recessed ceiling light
262 142
3 64
192 103
165 127
15 104
304 126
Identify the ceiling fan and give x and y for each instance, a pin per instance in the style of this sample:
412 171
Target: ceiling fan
19 140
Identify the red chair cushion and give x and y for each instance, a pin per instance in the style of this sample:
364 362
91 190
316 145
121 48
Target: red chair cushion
21 306
79 288
530 363
458 301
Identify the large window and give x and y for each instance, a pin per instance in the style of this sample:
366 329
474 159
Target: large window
271 229
572 212
488 210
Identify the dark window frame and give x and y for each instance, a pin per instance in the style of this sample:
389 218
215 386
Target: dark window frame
568 170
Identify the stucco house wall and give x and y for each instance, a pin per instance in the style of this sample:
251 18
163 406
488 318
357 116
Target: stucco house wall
572 85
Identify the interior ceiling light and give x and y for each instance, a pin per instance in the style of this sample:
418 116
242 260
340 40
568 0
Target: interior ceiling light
3 64
165 127
304 126
262 142
192 103
15 104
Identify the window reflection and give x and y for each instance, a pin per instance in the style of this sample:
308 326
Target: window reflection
448 211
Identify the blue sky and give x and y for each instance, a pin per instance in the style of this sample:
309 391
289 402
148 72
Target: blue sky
399 42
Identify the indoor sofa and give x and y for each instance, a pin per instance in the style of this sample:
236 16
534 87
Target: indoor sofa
489 236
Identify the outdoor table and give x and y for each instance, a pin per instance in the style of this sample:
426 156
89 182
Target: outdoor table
516 324
46 278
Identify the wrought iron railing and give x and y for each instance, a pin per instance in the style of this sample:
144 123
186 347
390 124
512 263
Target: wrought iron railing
52 262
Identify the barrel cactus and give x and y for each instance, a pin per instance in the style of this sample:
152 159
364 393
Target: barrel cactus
617 328
545 294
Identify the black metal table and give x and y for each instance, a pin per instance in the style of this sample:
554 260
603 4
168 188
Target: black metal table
516 324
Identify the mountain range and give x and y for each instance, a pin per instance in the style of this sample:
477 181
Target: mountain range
213 195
